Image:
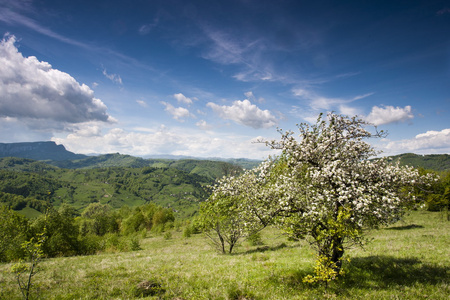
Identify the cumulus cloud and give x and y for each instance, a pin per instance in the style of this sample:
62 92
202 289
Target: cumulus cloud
32 89
178 113
389 114
203 125
245 113
428 142
182 99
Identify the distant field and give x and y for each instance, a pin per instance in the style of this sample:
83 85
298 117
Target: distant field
409 260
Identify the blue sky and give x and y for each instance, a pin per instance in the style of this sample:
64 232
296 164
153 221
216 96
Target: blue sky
208 78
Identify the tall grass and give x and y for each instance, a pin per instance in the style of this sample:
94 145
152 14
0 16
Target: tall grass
409 260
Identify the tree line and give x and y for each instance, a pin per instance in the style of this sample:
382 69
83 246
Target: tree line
98 228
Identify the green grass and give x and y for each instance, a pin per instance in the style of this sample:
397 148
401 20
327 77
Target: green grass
29 212
409 260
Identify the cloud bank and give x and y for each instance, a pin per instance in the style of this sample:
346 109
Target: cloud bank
428 142
164 140
32 89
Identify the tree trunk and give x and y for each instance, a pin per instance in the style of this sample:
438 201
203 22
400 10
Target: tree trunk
337 253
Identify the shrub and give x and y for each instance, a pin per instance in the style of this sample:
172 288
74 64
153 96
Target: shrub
255 239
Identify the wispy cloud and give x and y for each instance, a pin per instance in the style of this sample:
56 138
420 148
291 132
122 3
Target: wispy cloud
147 28
142 103
113 77
11 17
319 103
443 11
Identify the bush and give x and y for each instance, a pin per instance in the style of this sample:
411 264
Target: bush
187 232
255 239
167 235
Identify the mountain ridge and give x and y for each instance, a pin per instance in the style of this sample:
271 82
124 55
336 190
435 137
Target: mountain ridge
57 155
45 150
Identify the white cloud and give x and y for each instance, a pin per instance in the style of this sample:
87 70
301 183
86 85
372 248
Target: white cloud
182 98
203 125
389 114
32 90
178 113
142 103
249 95
88 130
164 140
320 103
349 111
424 143
113 77
146 28
245 113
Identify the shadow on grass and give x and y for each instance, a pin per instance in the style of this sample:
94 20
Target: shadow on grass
385 271
380 272
265 248
406 227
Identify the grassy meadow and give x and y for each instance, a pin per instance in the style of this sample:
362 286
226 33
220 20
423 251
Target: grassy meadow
408 260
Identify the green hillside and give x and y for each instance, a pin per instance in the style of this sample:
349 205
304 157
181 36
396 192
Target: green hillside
436 162
24 164
169 187
210 169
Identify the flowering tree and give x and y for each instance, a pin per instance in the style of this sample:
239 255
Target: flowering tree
330 191
224 217
324 187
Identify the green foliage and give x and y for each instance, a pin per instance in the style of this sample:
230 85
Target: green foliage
25 272
325 271
167 235
255 239
24 165
14 232
437 197
166 186
61 232
436 162
99 219
220 221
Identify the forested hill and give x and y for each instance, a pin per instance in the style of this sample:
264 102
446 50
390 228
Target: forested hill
33 186
436 162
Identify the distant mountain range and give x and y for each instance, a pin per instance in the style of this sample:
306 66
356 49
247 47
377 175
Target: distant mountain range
38 151
57 155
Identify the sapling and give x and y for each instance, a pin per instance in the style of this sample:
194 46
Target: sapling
25 271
